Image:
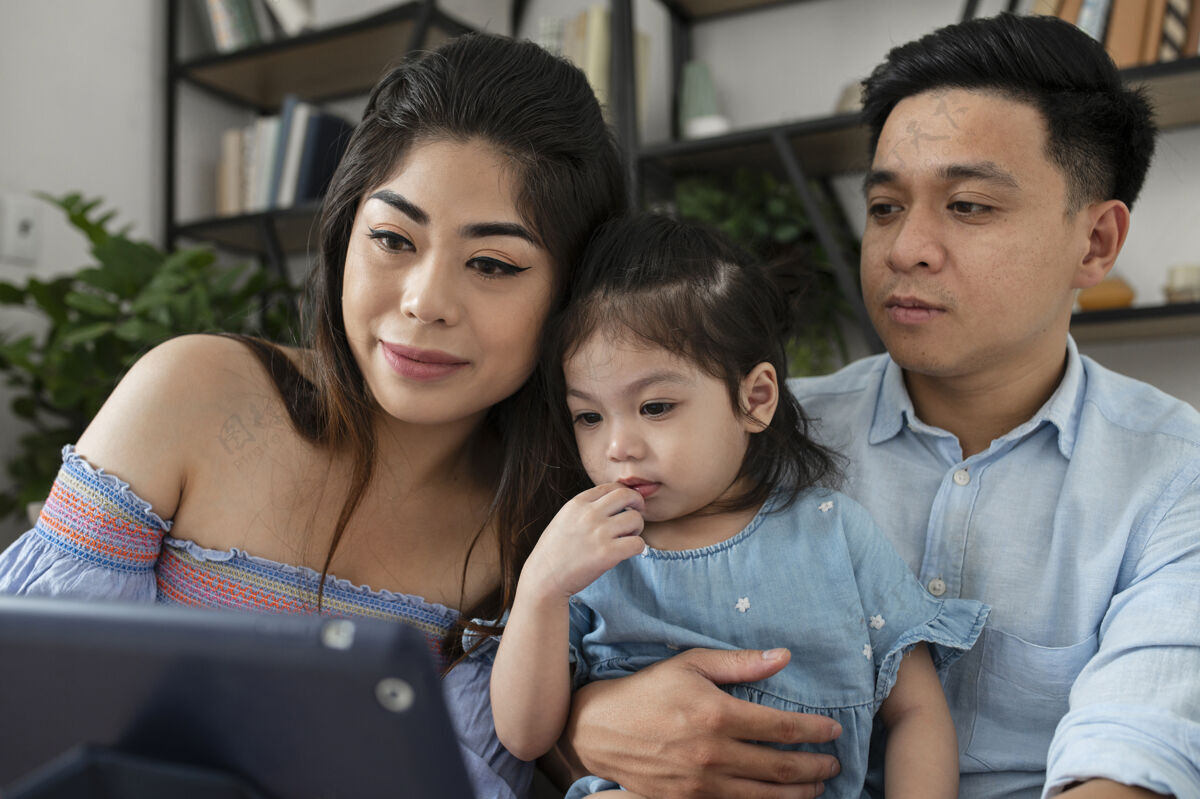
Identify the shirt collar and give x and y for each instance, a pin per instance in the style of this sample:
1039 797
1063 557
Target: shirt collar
894 409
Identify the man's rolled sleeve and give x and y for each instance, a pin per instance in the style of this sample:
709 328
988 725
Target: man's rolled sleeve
1134 713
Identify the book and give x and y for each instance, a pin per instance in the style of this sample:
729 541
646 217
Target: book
243 20
268 30
294 16
1125 34
324 143
1093 17
1174 30
279 149
266 135
597 51
294 148
1152 34
1192 46
229 173
1069 10
1045 8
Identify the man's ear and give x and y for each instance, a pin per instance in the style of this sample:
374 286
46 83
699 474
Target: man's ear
1109 225
759 397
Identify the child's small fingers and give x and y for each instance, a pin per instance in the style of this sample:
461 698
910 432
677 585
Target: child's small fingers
619 497
628 545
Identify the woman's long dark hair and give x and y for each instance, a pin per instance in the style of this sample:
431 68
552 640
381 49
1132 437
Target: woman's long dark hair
537 110
684 287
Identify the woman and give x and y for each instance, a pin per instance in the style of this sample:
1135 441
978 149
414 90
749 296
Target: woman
370 473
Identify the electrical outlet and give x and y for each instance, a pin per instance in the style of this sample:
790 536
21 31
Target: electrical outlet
20 228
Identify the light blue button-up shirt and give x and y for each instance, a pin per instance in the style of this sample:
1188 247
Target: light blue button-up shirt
1081 528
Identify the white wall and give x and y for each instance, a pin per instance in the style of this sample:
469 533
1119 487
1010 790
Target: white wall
81 88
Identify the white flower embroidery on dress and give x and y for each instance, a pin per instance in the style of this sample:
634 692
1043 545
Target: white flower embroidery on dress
825 506
867 651
877 622
743 604
645 550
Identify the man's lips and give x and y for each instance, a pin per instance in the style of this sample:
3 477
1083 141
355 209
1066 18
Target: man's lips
911 310
643 487
420 364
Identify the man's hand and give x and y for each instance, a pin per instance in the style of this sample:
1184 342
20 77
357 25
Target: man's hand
668 731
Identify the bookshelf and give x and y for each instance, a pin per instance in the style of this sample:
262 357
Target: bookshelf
319 66
811 151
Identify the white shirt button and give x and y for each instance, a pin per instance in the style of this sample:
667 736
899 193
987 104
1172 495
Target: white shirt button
962 477
937 586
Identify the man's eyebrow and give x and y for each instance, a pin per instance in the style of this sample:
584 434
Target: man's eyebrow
401 204
876 177
642 383
984 170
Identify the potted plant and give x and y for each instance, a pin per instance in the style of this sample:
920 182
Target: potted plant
766 217
100 319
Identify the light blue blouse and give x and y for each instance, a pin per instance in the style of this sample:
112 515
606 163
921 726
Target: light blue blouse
1081 529
817 578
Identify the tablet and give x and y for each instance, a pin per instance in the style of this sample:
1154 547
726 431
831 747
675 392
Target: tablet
285 706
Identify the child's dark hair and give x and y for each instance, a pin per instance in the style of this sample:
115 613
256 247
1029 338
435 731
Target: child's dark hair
1099 132
684 287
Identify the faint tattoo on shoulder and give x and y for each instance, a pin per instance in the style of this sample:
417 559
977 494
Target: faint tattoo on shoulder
234 435
267 415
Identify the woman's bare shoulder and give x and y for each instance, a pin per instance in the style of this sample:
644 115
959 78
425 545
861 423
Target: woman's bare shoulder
177 402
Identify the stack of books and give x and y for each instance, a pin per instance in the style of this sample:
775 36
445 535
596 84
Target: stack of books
230 25
1134 31
280 160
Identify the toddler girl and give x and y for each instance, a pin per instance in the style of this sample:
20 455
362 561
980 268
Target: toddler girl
707 523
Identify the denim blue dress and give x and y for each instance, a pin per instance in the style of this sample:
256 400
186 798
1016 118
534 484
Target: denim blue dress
816 577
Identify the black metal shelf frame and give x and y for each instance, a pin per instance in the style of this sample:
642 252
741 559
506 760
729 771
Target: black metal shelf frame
808 152
324 65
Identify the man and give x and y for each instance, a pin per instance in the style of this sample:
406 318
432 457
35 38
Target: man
1003 466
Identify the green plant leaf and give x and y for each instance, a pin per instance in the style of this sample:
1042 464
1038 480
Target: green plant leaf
11 295
92 304
86 333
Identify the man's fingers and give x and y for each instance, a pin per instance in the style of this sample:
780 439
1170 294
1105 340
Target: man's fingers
750 722
722 666
766 764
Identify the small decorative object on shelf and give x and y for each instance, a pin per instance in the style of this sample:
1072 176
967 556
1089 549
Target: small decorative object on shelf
1112 292
1183 283
699 114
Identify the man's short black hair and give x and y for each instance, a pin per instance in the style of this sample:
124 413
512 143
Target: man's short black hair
1099 132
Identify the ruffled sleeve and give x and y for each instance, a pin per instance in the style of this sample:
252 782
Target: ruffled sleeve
492 769
95 539
899 612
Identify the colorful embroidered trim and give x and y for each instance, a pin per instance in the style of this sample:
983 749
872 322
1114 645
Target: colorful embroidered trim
95 518
241 583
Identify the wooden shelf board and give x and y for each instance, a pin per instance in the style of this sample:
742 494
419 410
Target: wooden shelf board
1174 88
701 9
296 228
1120 324
825 146
322 65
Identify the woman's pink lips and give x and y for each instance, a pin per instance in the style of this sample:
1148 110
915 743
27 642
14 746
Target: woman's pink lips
909 310
643 487
418 364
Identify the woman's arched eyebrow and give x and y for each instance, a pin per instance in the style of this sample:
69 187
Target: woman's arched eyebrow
481 230
475 230
401 204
